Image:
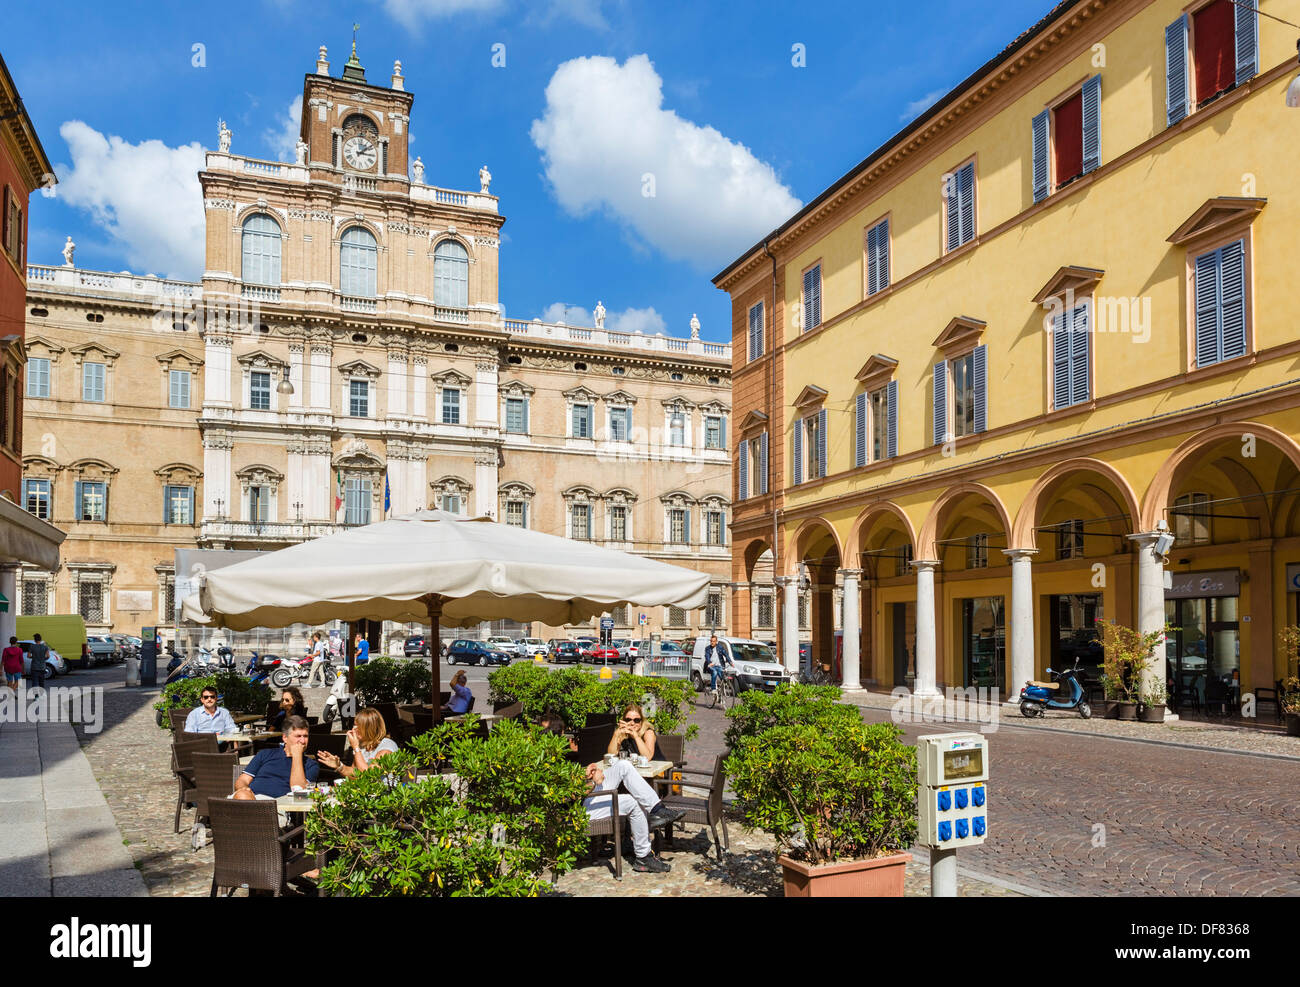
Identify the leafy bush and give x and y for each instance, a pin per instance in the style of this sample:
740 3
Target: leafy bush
789 705
515 813
237 694
830 789
1128 653
387 680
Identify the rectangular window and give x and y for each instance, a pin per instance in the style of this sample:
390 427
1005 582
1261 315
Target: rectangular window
620 616
803 611
1069 539
1068 144
92 500
90 600
765 612
1214 56
1192 519
879 403
178 505
356 500
516 514
812 442
451 406
878 257
580 522
903 561
977 552
620 424
359 398
715 528
451 503
714 433
38 377
758 466
259 504
756 331
1071 374
169 600
677 428
92 382
812 297
1219 288
36 498
178 389
36 598
618 523
677 529
259 390
713 611
581 419
517 415
962 371
676 617
959 195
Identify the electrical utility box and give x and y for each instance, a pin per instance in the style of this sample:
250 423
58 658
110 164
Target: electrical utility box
952 790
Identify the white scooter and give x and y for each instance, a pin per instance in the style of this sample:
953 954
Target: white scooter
339 702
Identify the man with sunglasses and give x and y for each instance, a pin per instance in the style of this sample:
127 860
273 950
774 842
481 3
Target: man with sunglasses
209 717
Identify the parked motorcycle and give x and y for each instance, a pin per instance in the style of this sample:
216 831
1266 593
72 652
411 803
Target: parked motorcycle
299 670
1036 698
260 667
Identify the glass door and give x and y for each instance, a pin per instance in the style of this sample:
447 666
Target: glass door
984 635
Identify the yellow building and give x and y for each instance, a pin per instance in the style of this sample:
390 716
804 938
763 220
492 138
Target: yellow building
977 377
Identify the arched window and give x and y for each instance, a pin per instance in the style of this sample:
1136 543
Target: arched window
358 261
261 240
450 275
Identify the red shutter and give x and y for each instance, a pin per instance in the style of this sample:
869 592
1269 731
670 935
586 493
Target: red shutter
1068 139
1214 36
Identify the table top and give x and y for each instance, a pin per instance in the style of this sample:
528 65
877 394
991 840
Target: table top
239 738
652 770
248 718
287 803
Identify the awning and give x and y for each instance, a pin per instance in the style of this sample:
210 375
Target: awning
26 538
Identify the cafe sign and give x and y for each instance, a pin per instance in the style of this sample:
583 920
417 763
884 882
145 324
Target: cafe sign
1195 585
1293 577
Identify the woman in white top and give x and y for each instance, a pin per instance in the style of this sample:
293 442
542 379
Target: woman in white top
369 741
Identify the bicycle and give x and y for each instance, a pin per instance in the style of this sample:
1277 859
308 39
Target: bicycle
724 693
816 674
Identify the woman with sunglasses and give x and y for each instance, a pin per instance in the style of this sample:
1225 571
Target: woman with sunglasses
291 704
635 735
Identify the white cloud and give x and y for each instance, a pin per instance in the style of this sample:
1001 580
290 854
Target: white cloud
146 196
414 13
283 138
607 141
915 108
645 320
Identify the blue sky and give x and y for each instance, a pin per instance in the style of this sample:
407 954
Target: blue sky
594 95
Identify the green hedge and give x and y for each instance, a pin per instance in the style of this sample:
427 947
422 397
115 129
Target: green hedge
238 695
387 680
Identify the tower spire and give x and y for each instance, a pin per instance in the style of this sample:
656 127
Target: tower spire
353 69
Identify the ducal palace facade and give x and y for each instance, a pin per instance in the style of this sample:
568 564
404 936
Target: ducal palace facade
343 360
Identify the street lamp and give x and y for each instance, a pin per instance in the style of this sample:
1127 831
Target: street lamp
284 387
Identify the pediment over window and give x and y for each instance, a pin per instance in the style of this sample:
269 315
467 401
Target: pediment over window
40 346
259 475
620 397
715 501
753 420
357 457
678 403
451 378
580 394
715 408
961 333
261 360
178 473
810 397
1217 215
677 498
877 370
39 467
1069 279
93 469
181 358
516 389
516 490
582 494
96 352
620 496
451 486
359 369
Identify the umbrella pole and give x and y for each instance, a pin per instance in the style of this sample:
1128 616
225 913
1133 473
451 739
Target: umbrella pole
434 603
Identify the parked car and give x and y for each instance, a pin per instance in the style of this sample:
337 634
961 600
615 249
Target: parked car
464 652
127 644
603 654
54 663
564 651
756 664
416 644
505 645
529 647
103 650
628 649
585 644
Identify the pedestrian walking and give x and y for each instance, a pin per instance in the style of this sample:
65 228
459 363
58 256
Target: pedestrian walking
12 659
39 653
363 650
317 660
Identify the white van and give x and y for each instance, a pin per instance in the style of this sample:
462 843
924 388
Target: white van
756 663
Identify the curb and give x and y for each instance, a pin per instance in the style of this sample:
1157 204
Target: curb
922 854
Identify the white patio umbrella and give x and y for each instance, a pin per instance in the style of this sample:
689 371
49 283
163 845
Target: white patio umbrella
443 568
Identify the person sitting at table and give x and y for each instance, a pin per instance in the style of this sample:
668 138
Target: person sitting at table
291 704
209 717
635 735
274 773
461 696
641 807
552 722
368 739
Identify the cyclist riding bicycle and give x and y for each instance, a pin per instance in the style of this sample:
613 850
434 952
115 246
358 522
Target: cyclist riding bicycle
715 660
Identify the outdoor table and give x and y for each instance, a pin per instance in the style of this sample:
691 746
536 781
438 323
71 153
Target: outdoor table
652 770
242 738
248 718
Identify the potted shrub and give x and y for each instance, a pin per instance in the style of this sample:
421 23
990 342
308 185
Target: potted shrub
1126 657
1154 697
838 794
1288 640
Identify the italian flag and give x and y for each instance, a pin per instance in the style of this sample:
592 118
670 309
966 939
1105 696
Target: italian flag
338 490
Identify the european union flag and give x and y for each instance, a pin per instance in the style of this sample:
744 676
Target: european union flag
388 497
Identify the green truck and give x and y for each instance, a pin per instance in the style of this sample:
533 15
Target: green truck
64 632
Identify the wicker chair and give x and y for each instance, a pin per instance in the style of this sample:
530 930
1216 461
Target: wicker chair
392 721
214 778
183 768
706 811
611 826
189 738
178 718
509 709
601 719
334 743
593 742
249 849
673 748
319 728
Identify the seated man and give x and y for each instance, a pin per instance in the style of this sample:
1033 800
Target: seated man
209 718
642 809
274 773
461 696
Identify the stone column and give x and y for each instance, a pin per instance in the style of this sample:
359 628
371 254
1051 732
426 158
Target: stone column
296 354
9 587
852 627
789 622
320 375
1022 620
925 627
1151 598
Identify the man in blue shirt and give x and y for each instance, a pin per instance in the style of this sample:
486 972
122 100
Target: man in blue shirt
209 718
274 773
363 650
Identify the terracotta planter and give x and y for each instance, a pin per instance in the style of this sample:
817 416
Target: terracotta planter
1293 724
1152 714
878 878
1126 711
1107 709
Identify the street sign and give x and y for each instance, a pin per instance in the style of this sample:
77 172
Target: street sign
641 620
606 623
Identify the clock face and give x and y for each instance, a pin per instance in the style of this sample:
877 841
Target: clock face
359 153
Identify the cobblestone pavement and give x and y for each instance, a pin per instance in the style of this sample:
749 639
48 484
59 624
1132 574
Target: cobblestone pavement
1077 812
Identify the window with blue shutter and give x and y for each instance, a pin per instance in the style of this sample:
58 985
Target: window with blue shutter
1092 124
1177 89
1220 293
961 206
821 443
1247 25
878 257
1071 342
980 365
743 470
812 298
941 402
756 331
1042 178
860 431
762 473
891 399
797 474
